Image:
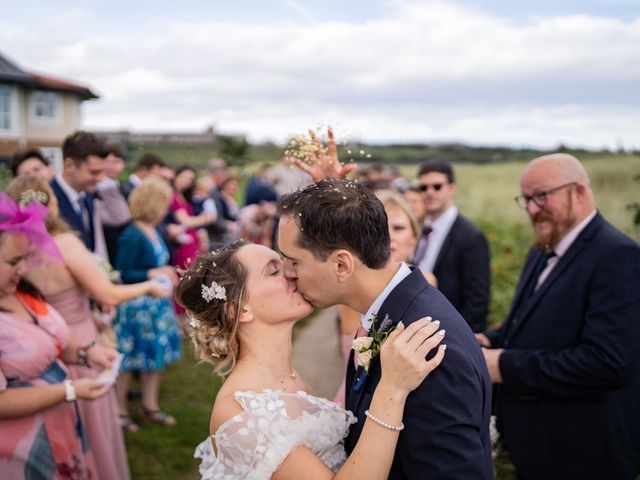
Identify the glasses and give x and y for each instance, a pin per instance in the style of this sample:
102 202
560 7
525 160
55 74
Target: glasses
423 187
540 198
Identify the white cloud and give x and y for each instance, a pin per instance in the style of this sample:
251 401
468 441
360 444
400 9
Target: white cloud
429 71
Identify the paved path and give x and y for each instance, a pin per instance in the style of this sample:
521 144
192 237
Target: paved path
316 352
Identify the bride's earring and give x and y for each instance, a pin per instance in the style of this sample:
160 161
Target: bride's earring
246 315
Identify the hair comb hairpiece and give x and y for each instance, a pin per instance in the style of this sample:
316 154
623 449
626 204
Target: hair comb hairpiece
30 196
214 291
194 323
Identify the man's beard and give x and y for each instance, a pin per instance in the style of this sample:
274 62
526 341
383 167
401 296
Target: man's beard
559 228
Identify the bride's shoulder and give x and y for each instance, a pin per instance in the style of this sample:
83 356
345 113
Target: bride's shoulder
224 408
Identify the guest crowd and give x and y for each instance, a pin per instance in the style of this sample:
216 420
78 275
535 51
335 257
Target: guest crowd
89 261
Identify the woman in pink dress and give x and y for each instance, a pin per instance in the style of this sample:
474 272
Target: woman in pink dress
67 286
41 432
188 242
182 213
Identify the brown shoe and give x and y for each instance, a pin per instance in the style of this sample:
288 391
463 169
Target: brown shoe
158 416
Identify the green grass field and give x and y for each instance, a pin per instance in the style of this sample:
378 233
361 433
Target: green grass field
160 452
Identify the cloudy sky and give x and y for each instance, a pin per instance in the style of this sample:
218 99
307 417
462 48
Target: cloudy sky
495 72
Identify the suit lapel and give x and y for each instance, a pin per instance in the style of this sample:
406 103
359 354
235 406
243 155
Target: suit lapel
396 306
448 240
67 210
563 264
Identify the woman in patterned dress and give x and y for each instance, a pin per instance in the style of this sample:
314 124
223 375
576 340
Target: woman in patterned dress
41 432
146 327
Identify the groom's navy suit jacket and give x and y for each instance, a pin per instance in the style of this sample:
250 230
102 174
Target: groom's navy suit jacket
569 406
446 418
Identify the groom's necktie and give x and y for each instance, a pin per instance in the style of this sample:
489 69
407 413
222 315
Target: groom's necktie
423 242
362 332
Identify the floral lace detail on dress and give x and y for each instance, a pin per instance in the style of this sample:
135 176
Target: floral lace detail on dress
253 444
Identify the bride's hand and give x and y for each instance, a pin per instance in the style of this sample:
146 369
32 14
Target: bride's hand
323 162
402 355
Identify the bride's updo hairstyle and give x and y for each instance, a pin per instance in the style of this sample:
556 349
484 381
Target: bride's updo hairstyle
212 291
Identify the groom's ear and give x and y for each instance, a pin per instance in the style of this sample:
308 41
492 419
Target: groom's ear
344 264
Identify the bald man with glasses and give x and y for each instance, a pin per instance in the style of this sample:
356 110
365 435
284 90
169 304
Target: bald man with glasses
566 361
451 247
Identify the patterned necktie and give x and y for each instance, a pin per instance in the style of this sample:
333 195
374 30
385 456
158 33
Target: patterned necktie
422 245
84 212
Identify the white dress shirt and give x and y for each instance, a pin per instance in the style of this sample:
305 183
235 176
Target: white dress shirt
563 246
403 272
439 231
73 196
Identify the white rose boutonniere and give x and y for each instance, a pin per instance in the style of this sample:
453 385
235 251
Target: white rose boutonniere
368 348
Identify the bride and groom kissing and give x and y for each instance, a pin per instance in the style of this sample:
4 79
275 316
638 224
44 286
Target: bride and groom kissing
407 416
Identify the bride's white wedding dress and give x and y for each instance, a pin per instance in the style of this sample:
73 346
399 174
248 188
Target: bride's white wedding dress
253 444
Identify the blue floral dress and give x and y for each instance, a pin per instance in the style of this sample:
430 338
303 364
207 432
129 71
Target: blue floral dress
146 327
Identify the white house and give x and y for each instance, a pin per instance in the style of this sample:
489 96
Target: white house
37 110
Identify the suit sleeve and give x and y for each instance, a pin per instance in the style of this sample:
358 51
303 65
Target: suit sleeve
442 420
131 251
476 282
606 353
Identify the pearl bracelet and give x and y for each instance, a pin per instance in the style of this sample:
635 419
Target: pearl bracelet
395 428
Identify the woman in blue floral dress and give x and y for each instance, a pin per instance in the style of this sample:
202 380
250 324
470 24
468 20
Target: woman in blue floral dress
146 327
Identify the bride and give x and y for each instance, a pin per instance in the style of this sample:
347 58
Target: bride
266 422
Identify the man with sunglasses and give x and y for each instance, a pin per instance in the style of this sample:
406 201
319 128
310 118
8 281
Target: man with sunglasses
566 361
451 247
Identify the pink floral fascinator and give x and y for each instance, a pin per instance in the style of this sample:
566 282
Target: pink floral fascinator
29 220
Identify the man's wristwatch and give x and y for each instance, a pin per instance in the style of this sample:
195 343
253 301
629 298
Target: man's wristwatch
70 391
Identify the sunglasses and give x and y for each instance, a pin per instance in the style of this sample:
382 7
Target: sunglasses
423 187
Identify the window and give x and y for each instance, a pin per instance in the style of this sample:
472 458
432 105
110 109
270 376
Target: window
5 108
54 155
45 106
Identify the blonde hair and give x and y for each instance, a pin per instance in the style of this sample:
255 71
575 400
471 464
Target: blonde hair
215 320
20 186
391 199
149 199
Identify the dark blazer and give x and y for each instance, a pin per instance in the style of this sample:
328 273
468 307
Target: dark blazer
217 229
569 406
70 215
463 272
446 418
126 188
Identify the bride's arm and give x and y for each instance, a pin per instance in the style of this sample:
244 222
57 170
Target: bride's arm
404 367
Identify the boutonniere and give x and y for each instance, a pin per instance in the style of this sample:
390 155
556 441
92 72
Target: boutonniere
367 348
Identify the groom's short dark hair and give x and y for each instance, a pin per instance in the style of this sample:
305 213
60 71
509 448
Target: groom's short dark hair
340 214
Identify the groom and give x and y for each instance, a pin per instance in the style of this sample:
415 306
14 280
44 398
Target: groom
335 241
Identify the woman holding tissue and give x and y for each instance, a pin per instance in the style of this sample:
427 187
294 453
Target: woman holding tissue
41 431
67 285
146 327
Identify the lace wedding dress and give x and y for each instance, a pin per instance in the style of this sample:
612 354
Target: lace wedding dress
253 444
